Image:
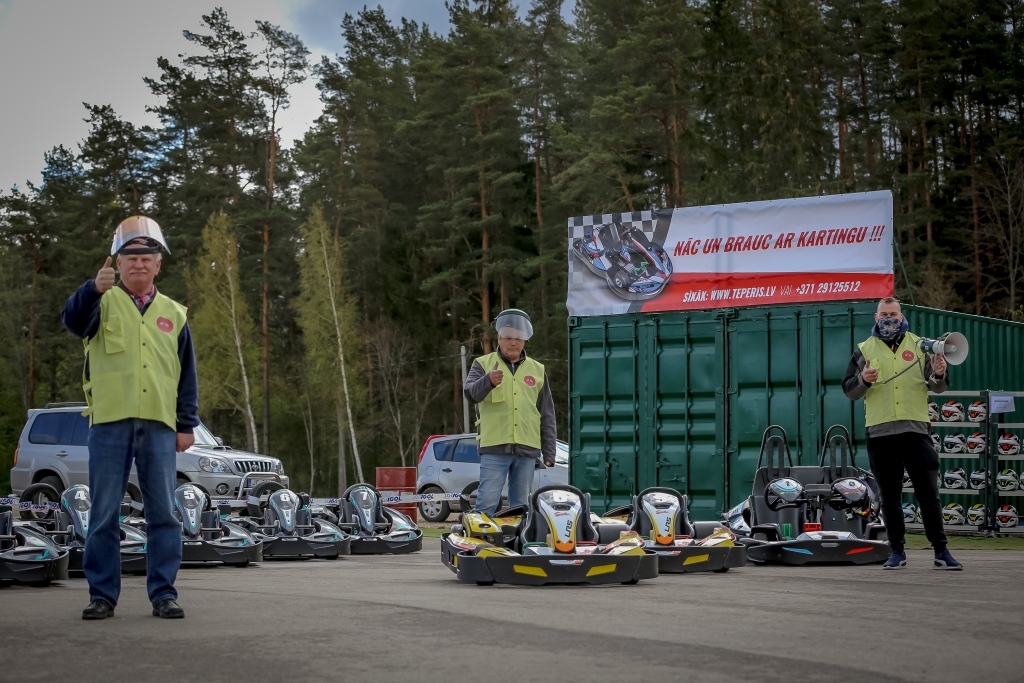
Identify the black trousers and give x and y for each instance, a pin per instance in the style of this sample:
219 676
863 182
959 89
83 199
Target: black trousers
889 455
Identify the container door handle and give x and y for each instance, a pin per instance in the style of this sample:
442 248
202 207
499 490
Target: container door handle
61 454
446 469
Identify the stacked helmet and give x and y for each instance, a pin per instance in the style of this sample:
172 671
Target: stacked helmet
977 411
933 411
976 443
953 513
976 514
955 478
909 513
906 480
979 479
789 490
1006 516
953 411
850 493
936 442
955 443
1007 480
1008 444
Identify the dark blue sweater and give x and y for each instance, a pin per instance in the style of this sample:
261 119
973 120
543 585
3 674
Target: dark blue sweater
82 316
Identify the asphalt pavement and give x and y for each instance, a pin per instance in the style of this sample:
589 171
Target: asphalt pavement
407 618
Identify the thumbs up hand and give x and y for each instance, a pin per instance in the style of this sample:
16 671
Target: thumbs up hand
495 375
869 373
105 277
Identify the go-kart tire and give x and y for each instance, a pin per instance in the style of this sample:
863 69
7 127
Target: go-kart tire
35 491
631 582
485 583
53 481
441 512
722 570
468 493
135 493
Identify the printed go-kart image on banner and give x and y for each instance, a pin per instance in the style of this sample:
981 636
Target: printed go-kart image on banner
832 248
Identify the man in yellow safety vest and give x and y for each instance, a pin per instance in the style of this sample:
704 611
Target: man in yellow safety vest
143 396
893 375
517 414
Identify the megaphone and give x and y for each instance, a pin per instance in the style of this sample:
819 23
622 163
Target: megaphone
952 346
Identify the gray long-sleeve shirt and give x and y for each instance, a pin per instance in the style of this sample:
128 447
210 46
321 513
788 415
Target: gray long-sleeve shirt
478 386
855 387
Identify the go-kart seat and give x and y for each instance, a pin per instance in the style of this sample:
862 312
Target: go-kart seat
641 522
348 510
773 445
841 466
535 527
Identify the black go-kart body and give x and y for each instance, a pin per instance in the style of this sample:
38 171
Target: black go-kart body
285 525
28 555
660 516
205 537
66 523
826 527
374 529
634 267
550 541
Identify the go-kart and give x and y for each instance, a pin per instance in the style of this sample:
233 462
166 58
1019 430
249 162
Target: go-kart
66 523
660 516
373 528
831 512
27 554
284 523
634 267
205 537
550 541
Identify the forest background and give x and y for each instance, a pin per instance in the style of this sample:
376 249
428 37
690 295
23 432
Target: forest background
330 285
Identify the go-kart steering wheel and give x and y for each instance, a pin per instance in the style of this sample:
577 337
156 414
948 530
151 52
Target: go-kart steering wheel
775 502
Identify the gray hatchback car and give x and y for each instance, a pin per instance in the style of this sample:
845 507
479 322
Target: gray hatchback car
53 449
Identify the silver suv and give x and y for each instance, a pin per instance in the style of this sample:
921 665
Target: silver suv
450 463
53 449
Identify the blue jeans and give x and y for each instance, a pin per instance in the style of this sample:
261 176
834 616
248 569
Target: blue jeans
493 471
112 448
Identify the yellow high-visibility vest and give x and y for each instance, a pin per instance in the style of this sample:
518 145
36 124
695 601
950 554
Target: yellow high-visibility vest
133 360
904 398
509 413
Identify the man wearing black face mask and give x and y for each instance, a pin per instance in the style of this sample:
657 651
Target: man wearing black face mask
896 406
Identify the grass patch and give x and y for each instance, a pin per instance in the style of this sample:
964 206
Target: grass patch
432 533
919 542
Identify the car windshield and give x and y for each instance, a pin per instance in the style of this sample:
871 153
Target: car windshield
204 437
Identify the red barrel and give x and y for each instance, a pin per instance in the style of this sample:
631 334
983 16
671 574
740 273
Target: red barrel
402 480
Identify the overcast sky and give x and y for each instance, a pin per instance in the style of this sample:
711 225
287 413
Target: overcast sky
56 54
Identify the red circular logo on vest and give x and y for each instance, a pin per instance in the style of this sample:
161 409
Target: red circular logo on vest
908 356
529 381
166 325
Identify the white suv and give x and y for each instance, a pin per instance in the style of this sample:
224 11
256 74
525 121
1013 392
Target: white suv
54 450
451 464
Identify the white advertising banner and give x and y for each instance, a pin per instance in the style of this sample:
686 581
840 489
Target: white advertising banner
786 251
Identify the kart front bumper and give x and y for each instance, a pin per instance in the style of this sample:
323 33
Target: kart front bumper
382 545
233 553
543 570
801 552
300 547
691 559
33 566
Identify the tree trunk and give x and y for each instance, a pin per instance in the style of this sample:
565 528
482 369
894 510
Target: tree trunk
252 443
485 245
30 386
974 212
342 474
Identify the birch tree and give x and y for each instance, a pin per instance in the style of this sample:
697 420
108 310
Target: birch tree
222 327
327 317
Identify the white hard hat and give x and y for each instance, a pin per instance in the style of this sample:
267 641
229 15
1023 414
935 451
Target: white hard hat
138 235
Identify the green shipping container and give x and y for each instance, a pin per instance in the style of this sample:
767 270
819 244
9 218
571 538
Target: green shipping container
682 399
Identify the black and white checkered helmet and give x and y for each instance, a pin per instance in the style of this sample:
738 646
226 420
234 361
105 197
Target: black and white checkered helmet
953 513
979 479
976 443
955 478
976 514
1006 516
1007 480
977 411
933 411
955 443
953 411
1008 444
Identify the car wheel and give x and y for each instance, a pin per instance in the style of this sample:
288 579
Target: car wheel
181 481
434 510
55 482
